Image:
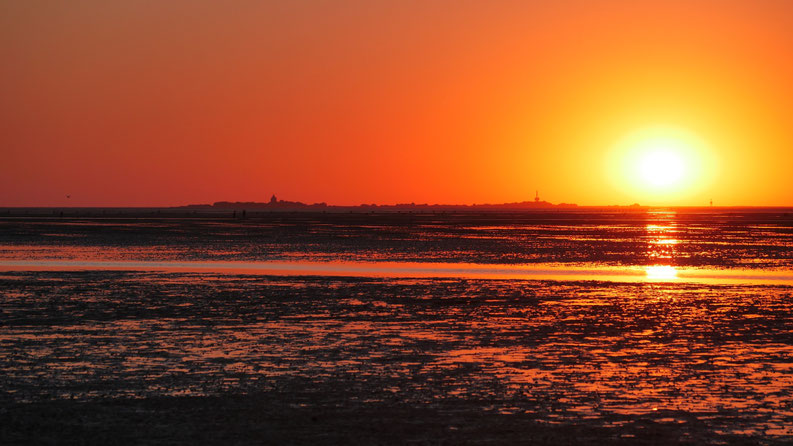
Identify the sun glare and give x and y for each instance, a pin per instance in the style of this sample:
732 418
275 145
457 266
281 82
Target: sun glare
660 165
661 272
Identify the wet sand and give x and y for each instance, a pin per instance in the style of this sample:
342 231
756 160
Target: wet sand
174 357
758 239
156 356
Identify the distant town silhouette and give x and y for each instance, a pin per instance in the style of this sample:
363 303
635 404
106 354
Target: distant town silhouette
284 205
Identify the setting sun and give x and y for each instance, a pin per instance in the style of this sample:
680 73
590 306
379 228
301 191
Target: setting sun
390 222
661 166
658 164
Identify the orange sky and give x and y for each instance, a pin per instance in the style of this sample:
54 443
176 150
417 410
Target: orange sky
169 103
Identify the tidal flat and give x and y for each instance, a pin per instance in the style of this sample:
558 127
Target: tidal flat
171 357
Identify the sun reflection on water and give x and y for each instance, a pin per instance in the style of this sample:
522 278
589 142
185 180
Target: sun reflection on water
661 272
661 244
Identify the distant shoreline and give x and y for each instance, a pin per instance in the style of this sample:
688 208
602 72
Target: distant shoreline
245 210
283 206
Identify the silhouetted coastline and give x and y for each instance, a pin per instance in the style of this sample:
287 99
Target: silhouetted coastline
243 210
284 205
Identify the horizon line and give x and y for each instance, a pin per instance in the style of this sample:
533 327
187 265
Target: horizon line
524 205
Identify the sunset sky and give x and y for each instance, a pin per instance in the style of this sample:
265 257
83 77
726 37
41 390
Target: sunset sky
146 103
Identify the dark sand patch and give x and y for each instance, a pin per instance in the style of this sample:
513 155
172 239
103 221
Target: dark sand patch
161 358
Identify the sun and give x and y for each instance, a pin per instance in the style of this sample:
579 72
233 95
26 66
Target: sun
660 165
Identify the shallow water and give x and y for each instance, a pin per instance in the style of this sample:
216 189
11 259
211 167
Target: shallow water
428 351
399 270
712 359
724 239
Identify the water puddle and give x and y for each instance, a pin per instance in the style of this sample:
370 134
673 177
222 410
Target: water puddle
557 272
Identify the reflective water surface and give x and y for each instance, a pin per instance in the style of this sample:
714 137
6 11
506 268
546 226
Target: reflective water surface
720 239
537 271
670 329
702 357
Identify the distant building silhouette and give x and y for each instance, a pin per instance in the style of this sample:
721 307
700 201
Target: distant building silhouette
276 205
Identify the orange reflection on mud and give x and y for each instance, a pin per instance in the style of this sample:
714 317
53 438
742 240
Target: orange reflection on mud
661 243
661 239
562 351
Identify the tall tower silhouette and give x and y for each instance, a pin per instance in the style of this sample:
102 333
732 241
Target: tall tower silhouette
536 196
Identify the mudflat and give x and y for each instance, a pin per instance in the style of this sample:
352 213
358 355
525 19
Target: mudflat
168 357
